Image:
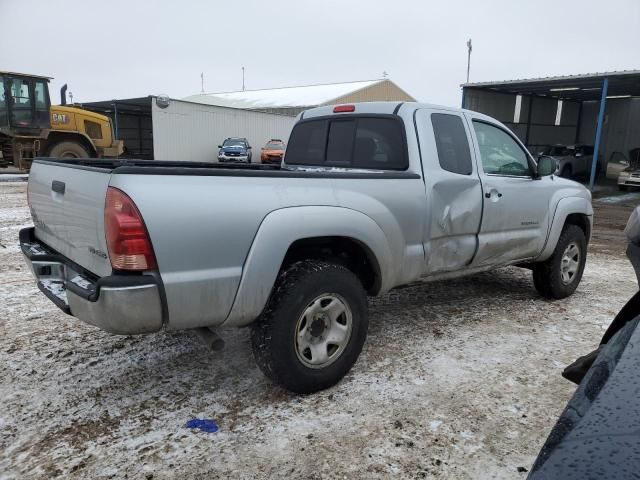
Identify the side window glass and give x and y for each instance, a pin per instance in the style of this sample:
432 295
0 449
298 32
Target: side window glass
41 101
20 93
452 143
499 152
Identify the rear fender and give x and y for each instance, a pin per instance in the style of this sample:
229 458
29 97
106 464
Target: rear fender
279 230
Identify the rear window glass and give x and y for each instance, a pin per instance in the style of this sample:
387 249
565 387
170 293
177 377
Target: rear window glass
340 143
355 142
452 143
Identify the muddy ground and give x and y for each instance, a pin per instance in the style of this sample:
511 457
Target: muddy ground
458 379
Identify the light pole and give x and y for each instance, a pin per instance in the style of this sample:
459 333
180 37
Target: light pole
468 58
243 79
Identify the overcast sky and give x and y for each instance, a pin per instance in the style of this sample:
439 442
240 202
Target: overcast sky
120 49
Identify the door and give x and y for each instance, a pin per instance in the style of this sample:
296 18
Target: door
21 111
516 206
453 190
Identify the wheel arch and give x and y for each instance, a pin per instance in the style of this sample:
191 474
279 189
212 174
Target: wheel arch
571 210
319 232
56 136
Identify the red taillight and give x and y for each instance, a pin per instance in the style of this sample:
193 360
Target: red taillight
127 238
344 108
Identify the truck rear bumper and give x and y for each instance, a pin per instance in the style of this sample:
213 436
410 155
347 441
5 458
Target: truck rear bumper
121 304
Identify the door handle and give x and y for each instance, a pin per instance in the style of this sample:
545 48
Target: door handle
58 187
488 194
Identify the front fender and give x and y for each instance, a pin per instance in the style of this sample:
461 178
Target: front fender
279 230
566 206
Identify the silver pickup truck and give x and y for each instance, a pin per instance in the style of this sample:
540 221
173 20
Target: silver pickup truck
369 197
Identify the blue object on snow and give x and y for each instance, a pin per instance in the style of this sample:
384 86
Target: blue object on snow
209 426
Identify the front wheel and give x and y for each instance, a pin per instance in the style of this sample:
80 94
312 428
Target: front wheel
559 276
313 328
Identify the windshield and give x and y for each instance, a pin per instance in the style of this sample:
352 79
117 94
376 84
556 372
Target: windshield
274 146
233 143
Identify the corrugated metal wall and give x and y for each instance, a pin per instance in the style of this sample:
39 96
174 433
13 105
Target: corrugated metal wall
192 132
536 126
621 129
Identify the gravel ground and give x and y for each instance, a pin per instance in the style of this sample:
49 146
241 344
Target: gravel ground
458 379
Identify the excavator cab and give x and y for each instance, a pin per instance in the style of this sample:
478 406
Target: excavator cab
24 104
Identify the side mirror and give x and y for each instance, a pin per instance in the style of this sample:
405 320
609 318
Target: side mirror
547 166
219 146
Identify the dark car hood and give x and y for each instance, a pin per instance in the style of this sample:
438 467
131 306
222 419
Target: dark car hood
598 434
232 149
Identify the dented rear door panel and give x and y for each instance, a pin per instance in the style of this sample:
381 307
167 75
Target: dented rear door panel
454 202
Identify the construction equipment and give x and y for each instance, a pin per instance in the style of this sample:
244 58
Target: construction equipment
30 126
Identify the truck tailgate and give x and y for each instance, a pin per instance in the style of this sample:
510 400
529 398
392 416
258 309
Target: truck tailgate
67 205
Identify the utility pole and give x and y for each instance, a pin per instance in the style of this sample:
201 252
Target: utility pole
243 79
71 97
202 81
468 58
384 74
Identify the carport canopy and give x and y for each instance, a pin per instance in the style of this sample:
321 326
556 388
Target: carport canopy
584 87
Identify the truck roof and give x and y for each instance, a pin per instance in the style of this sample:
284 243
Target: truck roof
375 107
389 108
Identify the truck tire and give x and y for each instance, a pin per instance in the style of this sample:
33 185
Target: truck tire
69 149
313 327
567 172
559 276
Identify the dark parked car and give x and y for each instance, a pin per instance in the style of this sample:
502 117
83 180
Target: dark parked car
235 149
598 433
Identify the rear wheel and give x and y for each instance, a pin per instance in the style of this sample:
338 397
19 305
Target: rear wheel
69 149
566 171
313 328
559 276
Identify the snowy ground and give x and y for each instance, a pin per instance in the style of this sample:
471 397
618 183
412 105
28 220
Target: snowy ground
458 379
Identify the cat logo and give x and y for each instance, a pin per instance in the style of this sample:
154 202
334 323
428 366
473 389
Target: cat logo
60 118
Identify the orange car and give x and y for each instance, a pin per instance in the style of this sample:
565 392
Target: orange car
272 152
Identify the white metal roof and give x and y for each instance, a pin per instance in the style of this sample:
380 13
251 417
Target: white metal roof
581 76
302 96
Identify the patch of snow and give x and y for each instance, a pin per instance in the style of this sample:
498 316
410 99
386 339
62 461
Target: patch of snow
434 425
625 198
82 282
56 287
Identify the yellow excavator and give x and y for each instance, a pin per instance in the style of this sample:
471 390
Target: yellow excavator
30 126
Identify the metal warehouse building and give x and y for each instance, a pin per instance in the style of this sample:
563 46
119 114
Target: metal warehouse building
600 109
168 129
191 129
